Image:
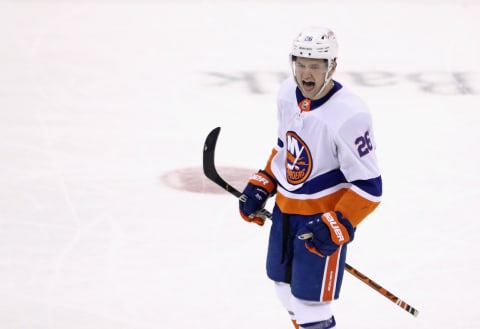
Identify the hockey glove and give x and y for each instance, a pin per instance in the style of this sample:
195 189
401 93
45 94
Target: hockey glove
259 188
330 231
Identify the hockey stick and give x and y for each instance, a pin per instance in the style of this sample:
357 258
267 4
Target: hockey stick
211 172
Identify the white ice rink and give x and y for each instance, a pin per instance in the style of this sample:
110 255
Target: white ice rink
104 107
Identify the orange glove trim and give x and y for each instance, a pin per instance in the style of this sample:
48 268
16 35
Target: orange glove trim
257 220
338 232
314 250
261 180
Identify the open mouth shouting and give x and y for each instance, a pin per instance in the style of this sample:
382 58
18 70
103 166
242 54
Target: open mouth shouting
308 86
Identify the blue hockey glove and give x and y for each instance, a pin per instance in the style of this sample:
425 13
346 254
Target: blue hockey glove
259 188
330 230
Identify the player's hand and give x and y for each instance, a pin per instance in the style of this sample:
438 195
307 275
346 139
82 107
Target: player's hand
259 188
330 230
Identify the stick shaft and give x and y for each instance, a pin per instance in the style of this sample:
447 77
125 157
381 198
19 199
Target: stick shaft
372 284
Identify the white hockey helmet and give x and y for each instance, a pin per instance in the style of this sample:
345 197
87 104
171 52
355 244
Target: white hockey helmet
315 42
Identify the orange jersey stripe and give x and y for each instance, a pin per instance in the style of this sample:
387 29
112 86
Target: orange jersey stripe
295 324
268 167
352 205
355 207
311 206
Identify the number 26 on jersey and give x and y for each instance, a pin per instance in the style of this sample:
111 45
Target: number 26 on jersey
364 144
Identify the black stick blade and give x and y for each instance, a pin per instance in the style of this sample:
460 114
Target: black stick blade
209 154
209 168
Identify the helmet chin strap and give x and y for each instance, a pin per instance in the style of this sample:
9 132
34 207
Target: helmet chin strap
325 84
327 79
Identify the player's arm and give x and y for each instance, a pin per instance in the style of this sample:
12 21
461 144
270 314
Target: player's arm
358 162
261 186
356 154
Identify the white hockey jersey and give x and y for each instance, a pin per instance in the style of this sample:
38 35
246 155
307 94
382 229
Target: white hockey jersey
325 156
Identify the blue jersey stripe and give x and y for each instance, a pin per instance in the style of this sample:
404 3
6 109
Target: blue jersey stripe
371 186
322 182
335 177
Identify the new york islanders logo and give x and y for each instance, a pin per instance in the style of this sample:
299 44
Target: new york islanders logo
298 164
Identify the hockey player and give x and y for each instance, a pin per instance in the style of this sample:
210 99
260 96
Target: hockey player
324 173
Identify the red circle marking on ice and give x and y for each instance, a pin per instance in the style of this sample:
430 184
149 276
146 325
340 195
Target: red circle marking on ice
192 179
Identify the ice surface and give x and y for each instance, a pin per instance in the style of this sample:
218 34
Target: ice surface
101 100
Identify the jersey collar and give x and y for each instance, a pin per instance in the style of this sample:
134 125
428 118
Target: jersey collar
306 104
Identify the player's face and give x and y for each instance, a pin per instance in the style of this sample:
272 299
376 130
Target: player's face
310 74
